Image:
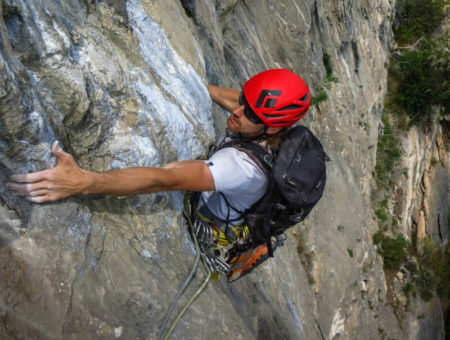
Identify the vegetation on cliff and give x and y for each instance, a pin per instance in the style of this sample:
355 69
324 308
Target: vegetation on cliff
418 94
321 94
420 67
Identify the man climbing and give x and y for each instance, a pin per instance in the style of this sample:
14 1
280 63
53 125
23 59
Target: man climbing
230 181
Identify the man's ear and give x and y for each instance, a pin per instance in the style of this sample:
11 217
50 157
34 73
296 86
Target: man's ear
273 130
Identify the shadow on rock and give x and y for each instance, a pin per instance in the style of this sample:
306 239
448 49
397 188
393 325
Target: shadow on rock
7 235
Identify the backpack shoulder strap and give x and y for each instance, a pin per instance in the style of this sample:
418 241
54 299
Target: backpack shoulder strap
262 157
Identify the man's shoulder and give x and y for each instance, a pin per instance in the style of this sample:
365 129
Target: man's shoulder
231 152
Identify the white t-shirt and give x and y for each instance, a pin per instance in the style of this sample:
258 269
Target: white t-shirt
238 178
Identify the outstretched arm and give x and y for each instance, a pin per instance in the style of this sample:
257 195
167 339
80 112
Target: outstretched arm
67 179
225 97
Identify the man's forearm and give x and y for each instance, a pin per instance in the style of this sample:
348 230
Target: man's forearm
225 97
124 182
181 175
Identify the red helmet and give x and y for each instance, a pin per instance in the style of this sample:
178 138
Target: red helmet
278 97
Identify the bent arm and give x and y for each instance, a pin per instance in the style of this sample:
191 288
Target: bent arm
225 97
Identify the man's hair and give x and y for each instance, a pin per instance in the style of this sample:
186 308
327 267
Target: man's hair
273 142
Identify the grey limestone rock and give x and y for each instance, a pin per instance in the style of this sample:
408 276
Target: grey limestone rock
124 83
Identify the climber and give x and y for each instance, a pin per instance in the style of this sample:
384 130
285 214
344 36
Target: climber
248 117
230 180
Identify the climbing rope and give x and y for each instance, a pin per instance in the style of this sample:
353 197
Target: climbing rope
177 297
183 288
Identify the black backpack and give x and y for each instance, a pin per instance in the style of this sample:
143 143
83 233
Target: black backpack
297 177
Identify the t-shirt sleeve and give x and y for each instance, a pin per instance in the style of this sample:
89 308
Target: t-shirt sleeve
233 171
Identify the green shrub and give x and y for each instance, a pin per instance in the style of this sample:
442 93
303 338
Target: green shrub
388 153
425 283
429 274
326 59
321 93
421 73
381 214
394 251
434 270
377 238
409 289
330 78
419 18
350 252
423 79
320 97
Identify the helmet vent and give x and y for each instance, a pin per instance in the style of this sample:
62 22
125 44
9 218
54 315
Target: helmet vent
290 107
272 116
304 99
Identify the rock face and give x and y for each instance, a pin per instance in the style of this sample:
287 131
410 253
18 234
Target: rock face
123 83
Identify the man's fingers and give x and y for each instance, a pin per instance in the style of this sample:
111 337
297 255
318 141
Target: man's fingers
44 196
36 196
26 189
29 178
58 151
55 147
41 192
39 199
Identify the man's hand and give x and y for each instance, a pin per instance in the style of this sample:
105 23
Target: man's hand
64 180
